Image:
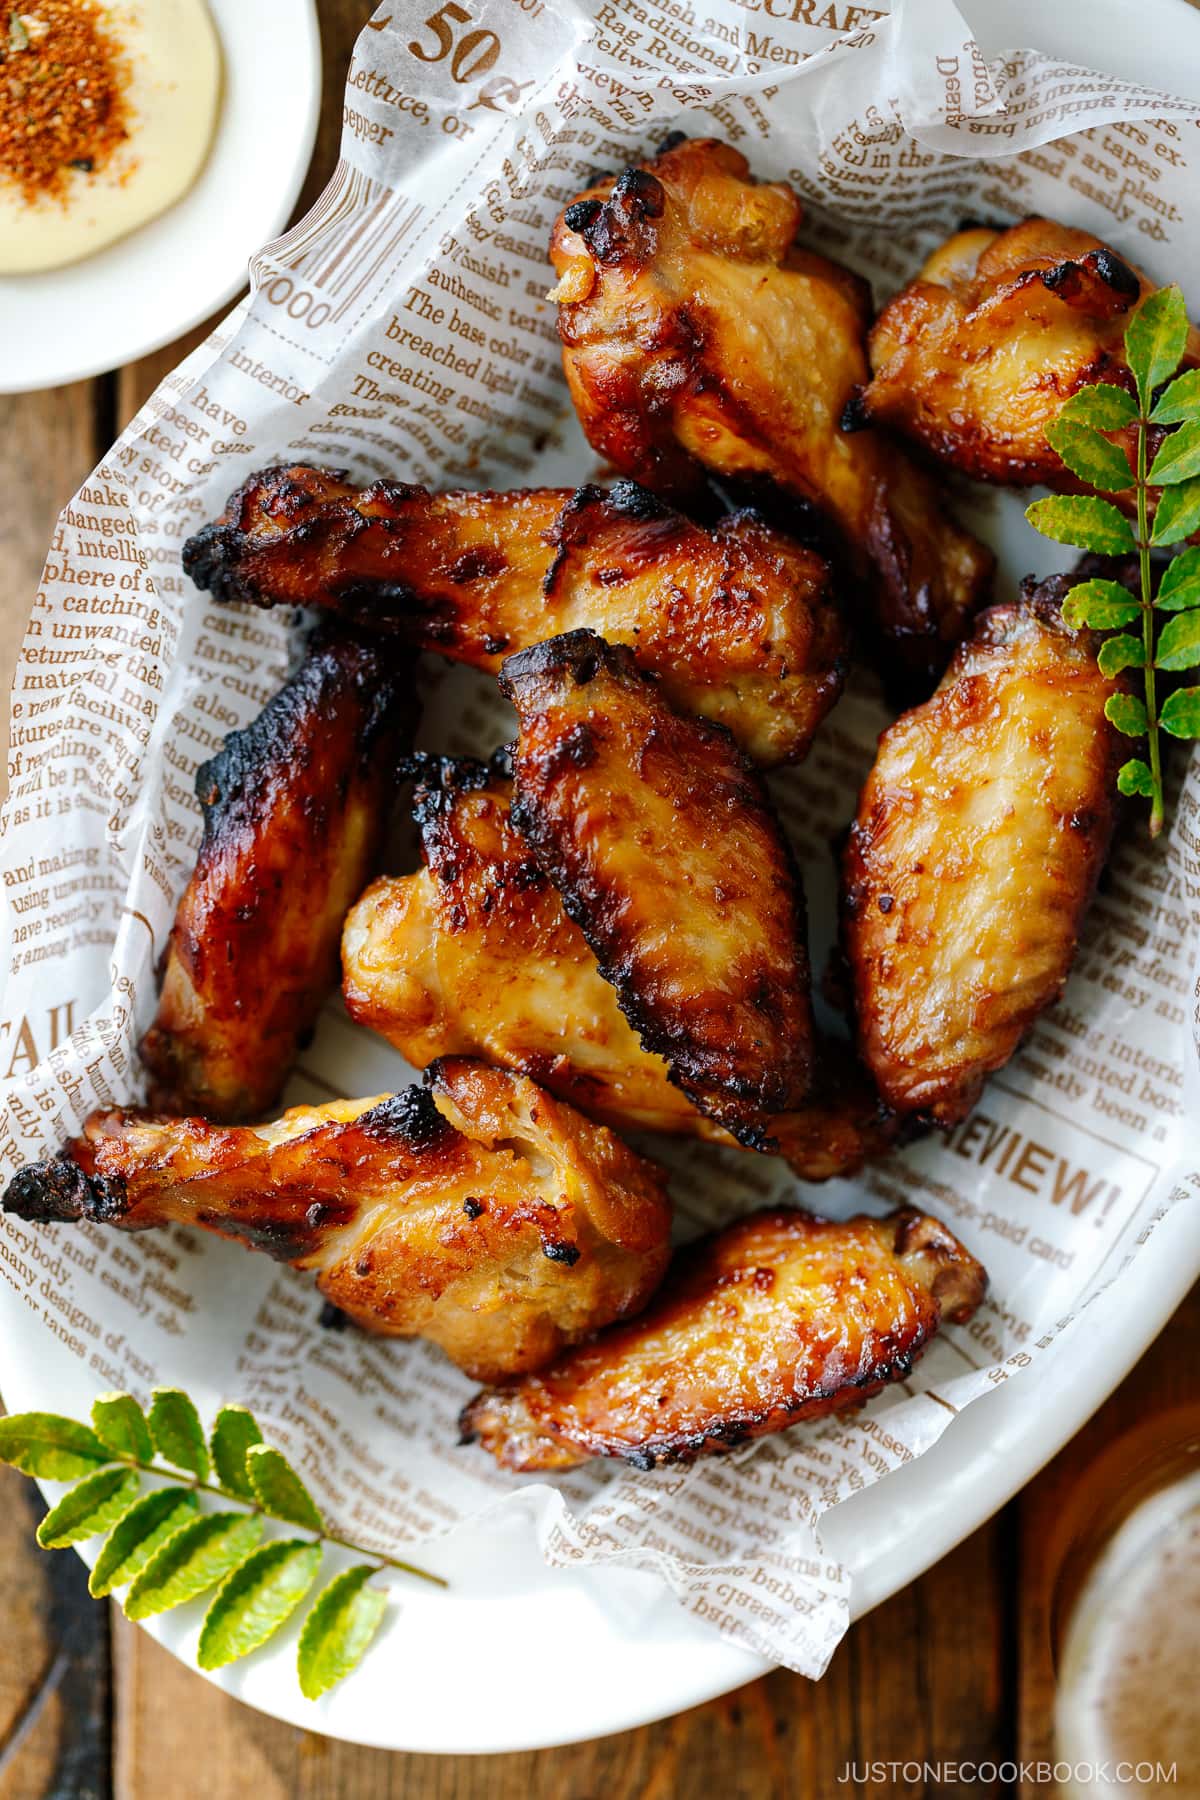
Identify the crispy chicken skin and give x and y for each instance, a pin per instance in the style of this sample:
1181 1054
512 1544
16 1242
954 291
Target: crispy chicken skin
976 356
738 622
295 808
778 1318
480 1213
698 337
473 955
980 835
659 836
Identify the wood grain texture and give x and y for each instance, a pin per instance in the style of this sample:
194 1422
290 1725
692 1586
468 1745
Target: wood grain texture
55 1736
896 1688
47 446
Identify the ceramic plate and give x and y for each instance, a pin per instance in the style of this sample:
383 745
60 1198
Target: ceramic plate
518 1656
154 285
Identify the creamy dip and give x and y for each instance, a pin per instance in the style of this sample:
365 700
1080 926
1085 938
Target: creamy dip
169 64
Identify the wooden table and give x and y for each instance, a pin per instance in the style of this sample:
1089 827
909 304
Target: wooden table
955 1667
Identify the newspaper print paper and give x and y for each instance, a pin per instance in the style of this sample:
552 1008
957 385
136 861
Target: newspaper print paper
402 330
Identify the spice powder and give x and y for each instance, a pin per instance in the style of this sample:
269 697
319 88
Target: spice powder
63 84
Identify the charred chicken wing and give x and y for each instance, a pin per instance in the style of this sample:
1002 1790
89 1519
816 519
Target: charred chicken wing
738 622
295 808
481 1214
660 838
976 356
780 1317
980 834
474 955
698 337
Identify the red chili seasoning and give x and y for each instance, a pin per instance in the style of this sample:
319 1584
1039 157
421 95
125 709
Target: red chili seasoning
62 94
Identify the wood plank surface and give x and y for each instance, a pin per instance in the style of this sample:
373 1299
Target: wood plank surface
955 1667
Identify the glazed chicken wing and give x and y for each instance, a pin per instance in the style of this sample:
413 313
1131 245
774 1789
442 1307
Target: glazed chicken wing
473 955
738 622
295 808
780 1317
481 1214
974 359
980 835
698 337
660 838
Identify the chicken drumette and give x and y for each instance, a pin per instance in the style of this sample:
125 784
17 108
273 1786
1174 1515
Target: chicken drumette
479 1213
975 358
698 337
474 955
980 835
738 622
660 837
778 1318
295 809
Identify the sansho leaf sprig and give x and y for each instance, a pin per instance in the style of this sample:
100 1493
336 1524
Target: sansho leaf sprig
1155 340
165 1550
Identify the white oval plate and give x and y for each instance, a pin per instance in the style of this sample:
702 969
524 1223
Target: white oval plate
516 1656
154 285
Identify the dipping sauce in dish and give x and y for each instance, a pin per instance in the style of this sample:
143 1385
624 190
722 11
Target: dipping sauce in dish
107 109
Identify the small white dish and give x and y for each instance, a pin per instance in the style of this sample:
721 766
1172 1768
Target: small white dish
152 286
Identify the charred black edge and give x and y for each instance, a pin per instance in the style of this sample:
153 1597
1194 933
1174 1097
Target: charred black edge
338 671
213 556
283 1240
57 1189
727 1434
724 1435
1039 598
855 414
743 1427
559 1251
589 509
627 498
442 784
581 214
582 655
440 781
612 227
410 1117
1102 262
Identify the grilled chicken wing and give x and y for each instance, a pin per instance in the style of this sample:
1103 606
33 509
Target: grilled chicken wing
738 622
295 808
780 1317
474 955
697 336
481 1214
660 838
980 834
976 356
